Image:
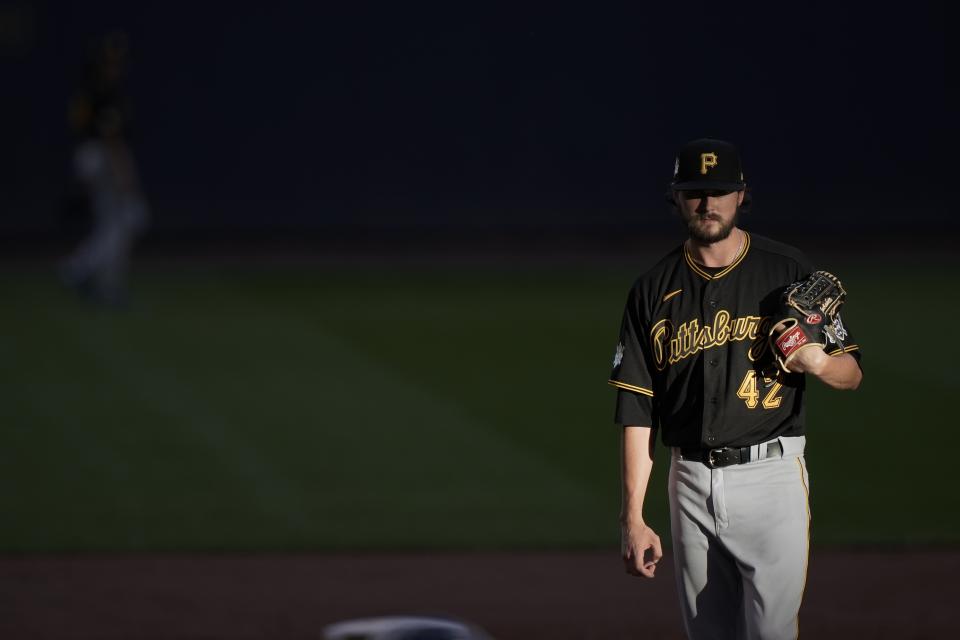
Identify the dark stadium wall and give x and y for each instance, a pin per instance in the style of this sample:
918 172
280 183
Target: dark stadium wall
301 116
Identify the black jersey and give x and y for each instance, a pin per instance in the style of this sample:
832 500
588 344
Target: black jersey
693 358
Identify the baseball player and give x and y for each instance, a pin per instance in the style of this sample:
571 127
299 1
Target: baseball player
695 361
104 165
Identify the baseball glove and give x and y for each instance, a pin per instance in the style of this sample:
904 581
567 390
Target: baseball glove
806 317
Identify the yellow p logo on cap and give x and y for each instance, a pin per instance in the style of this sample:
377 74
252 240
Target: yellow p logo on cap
707 161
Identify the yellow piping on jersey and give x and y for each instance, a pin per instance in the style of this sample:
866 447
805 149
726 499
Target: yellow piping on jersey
847 349
670 295
716 276
630 387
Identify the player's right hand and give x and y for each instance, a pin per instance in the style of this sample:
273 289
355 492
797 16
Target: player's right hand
640 548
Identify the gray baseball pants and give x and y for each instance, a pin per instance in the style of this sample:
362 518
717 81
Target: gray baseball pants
740 543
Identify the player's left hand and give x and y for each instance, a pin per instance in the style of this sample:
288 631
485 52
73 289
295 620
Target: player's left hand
809 359
806 319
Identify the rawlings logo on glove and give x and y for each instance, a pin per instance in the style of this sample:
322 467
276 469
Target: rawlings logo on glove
808 317
791 340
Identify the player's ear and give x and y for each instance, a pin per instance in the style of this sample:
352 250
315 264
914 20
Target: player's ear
740 196
746 200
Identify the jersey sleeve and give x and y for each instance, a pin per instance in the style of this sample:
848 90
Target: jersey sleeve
631 373
849 343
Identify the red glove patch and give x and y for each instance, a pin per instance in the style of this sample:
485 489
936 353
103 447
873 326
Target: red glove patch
791 340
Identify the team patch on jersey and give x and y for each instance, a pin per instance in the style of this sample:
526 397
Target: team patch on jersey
618 355
836 333
838 328
791 340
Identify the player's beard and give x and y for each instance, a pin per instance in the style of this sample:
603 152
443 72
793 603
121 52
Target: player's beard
701 235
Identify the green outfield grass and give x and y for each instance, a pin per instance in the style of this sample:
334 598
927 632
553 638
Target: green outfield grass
325 408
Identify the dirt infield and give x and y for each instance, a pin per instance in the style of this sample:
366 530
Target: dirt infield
866 594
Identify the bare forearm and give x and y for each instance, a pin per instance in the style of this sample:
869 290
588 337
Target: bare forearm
636 463
840 372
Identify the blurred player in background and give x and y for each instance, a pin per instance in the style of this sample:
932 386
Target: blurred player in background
105 169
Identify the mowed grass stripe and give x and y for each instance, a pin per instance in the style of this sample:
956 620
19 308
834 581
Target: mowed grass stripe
134 454
301 397
488 491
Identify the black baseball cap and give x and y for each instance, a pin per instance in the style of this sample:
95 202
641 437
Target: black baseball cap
708 164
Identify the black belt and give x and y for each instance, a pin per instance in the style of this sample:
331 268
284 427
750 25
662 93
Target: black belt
725 456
